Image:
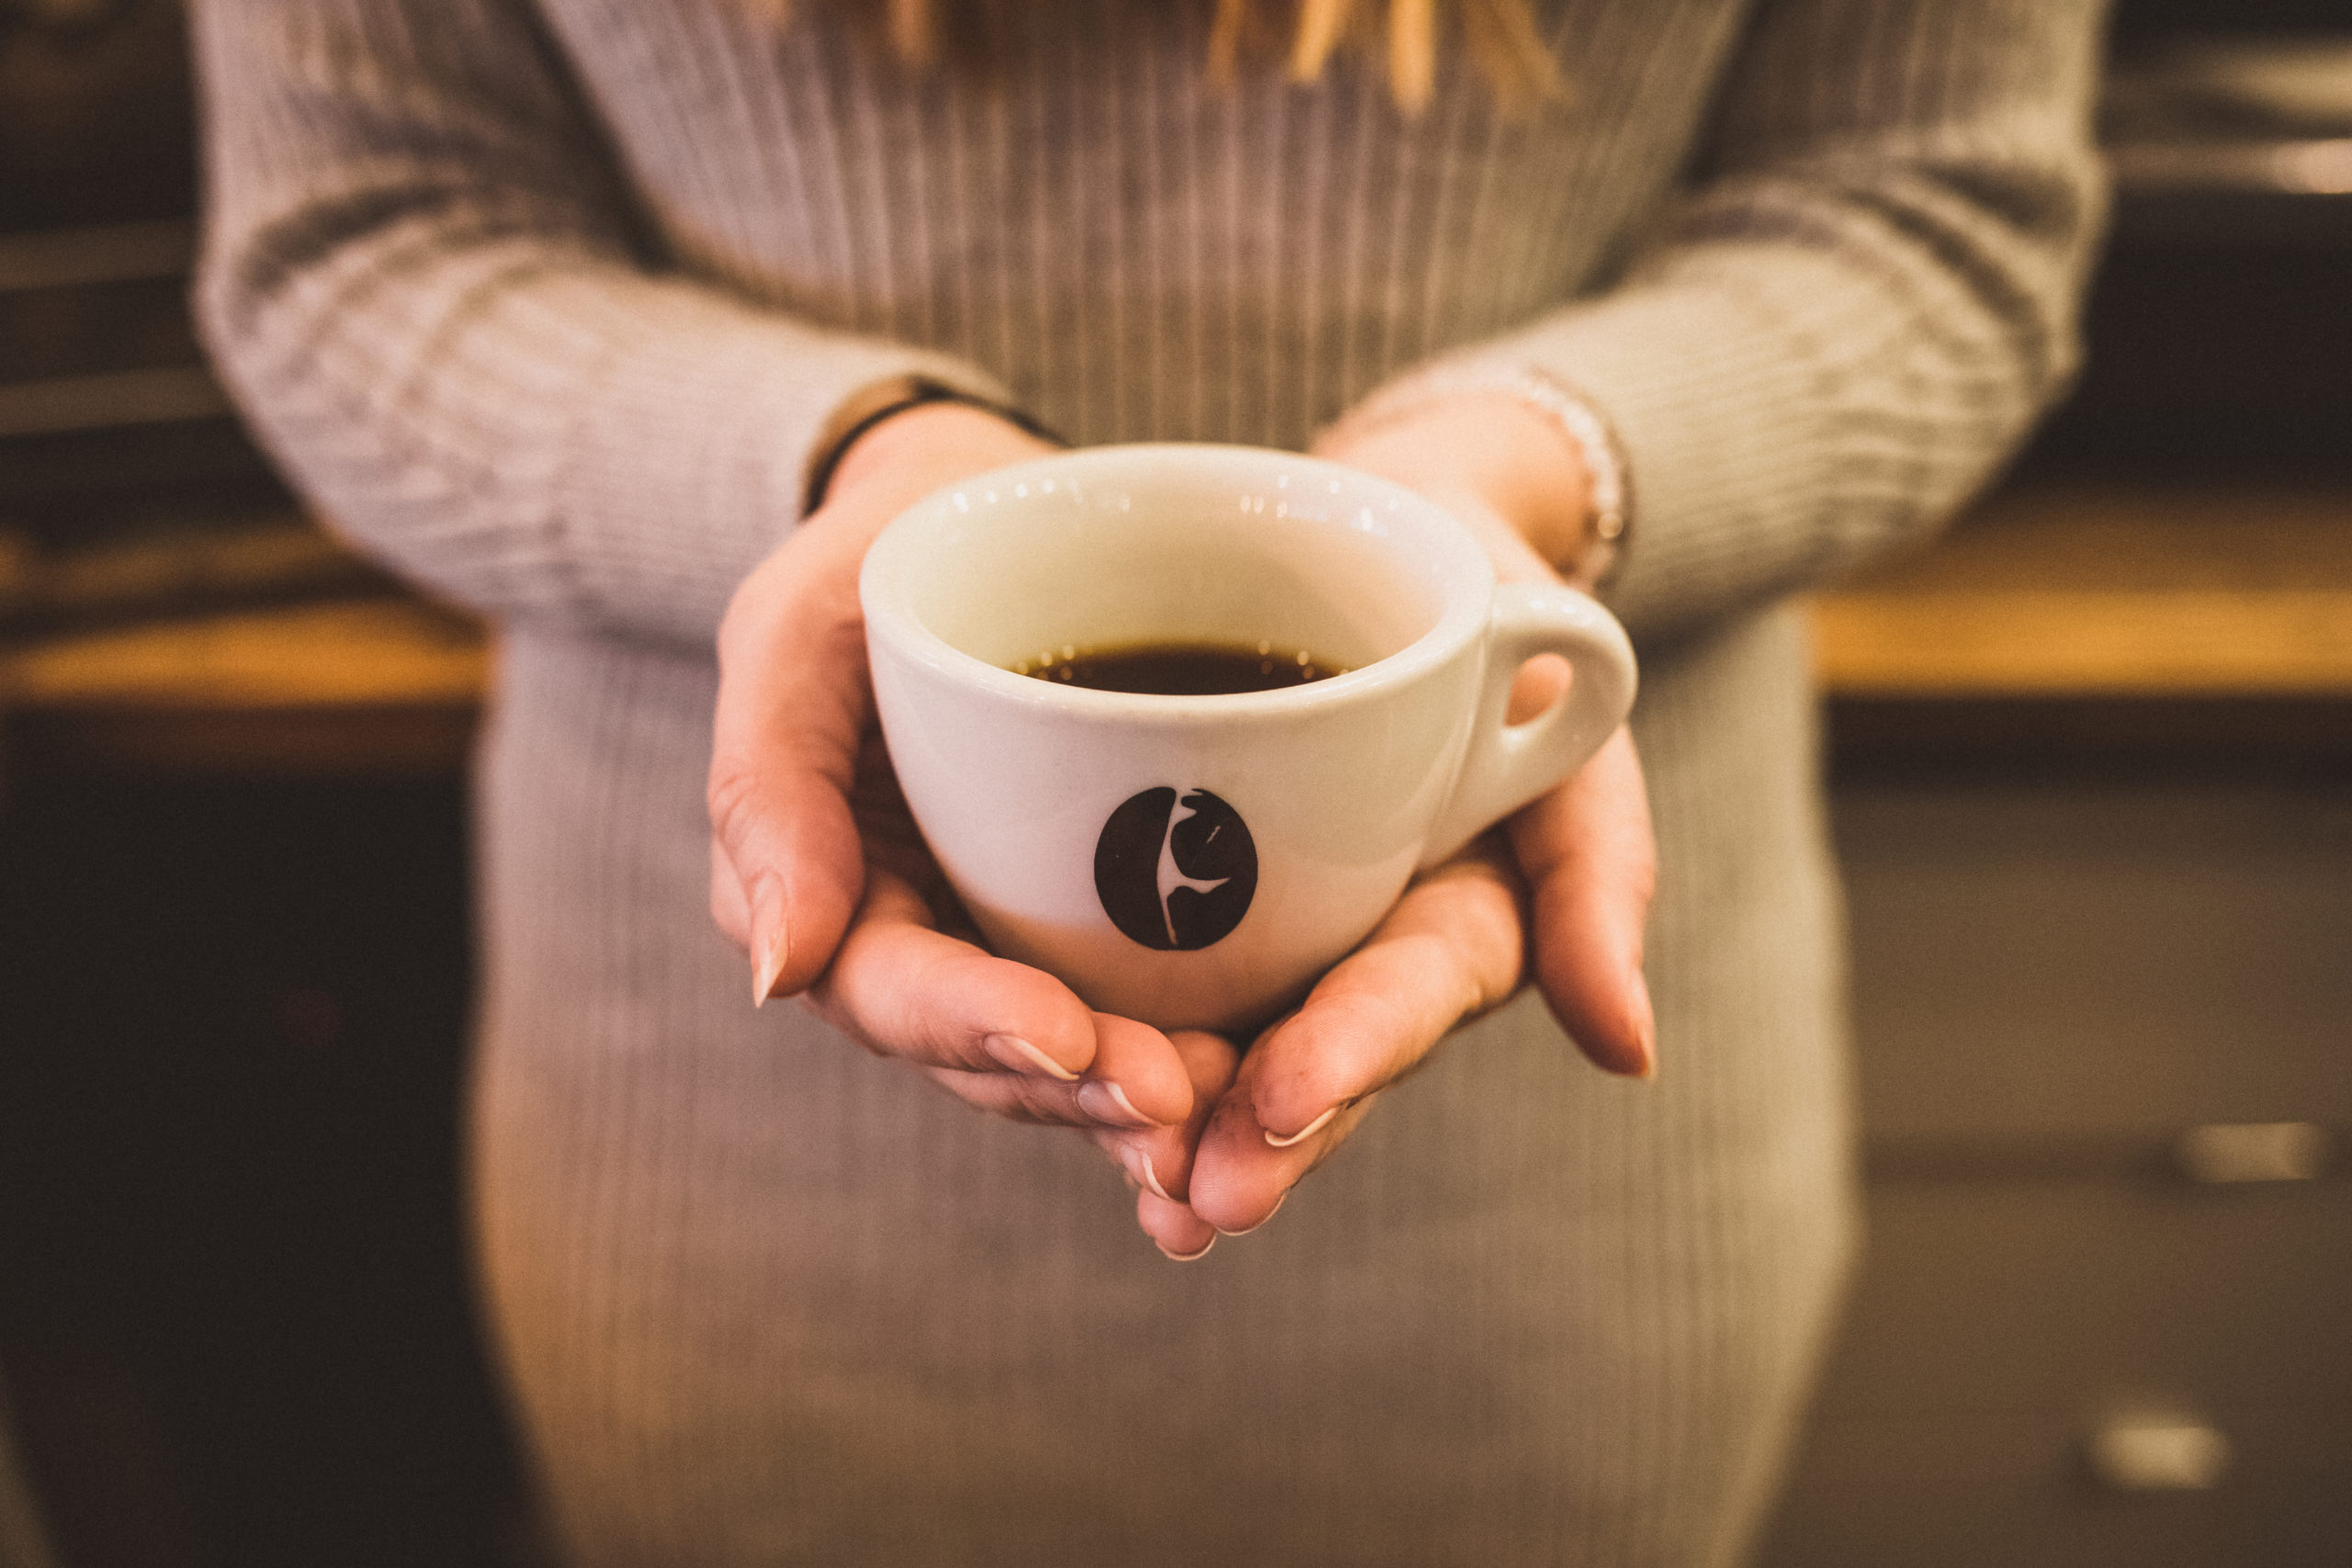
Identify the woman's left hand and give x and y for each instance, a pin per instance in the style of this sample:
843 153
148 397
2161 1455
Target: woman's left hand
1563 887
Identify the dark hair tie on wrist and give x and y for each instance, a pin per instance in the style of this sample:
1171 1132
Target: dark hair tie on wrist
916 393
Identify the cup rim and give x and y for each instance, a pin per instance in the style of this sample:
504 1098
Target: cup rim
898 549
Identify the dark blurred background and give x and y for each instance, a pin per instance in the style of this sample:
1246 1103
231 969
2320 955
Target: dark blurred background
2103 943
235 1317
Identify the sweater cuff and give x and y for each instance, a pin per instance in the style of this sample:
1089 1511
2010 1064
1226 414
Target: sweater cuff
712 436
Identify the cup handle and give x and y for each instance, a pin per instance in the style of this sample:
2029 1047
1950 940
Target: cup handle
1509 765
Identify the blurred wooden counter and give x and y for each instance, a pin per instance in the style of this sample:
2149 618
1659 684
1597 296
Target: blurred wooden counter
2049 592
374 687
2100 591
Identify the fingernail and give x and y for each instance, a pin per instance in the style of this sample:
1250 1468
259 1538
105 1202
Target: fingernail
1108 1103
1261 1223
1645 1029
1022 1056
771 946
1139 1166
1306 1132
1187 1257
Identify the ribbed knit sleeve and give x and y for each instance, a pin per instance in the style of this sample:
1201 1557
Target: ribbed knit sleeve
1866 297
419 280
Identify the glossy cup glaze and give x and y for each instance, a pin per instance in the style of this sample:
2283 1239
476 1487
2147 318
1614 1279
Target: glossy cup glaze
1102 835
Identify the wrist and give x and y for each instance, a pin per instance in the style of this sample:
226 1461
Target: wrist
1537 453
1600 535
913 417
936 438
1534 475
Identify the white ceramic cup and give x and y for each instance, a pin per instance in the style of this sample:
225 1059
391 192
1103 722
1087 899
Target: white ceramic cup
1199 860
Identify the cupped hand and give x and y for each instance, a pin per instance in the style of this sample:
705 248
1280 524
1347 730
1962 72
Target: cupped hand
817 872
1562 889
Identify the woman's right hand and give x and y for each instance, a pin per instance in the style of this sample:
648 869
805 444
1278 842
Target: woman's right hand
818 874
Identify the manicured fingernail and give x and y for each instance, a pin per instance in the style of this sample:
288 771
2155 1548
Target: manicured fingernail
1187 1257
1138 1165
771 949
1303 1132
1261 1223
1022 1057
1645 1029
1108 1103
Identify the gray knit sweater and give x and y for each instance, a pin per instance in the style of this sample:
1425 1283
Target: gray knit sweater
543 301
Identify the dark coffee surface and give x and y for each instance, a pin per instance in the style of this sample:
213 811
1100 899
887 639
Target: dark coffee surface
1181 669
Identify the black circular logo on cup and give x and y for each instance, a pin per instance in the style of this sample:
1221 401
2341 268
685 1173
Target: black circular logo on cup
1172 881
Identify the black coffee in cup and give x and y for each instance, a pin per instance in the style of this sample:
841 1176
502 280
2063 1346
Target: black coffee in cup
1179 669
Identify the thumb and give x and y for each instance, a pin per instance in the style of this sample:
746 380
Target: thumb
1588 855
793 701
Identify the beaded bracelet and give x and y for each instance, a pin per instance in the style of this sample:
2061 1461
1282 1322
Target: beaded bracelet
1604 462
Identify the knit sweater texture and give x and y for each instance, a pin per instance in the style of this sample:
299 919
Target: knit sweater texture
544 302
